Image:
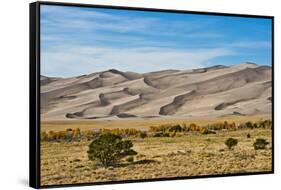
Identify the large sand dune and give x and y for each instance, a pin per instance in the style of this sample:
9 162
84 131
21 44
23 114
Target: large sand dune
206 92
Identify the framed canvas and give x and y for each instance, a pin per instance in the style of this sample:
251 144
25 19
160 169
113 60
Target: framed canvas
122 94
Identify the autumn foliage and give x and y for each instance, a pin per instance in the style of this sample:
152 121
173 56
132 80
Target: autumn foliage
166 130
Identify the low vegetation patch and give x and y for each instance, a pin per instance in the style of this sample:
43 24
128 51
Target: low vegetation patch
109 149
260 144
143 134
231 143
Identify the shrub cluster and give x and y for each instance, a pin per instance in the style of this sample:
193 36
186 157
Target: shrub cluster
69 134
76 134
167 130
210 128
252 125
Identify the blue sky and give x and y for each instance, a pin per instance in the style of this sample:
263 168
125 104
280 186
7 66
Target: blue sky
79 40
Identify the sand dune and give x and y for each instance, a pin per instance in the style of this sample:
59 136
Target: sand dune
178 101
205 92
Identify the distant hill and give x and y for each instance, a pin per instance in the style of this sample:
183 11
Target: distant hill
216 91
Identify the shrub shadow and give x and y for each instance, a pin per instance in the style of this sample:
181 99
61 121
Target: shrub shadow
139 162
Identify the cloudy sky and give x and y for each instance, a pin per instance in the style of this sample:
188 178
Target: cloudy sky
79 40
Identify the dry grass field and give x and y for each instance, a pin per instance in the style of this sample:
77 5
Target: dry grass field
140 123
158 157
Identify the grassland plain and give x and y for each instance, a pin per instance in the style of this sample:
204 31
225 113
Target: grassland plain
60 125
158 157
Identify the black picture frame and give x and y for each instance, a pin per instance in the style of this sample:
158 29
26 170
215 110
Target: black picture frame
34 91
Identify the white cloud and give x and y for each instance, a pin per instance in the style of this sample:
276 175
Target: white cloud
70 61
76 19
80 41
81 21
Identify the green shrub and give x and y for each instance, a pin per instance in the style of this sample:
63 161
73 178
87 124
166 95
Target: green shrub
249 125
143 134
109 149
130 159
231 142
260 144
